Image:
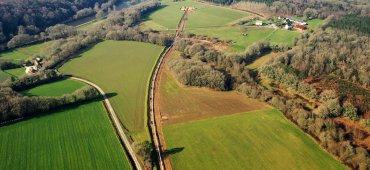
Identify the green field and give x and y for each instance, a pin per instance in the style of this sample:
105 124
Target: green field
22 53
204 16
252 140
16 72
240 41
4 76
79 137
57 88
121 68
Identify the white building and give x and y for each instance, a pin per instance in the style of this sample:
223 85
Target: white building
259 23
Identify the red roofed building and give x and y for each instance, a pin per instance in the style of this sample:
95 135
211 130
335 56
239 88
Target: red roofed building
300 27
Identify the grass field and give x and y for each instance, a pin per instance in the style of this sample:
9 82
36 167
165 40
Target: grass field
258 62
121 68
16 72
4 76
57 88
181 104
22 53
79 137
91 24
170 14
253 140
240 42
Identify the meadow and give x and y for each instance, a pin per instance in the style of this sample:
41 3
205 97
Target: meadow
122 69
175 100
251 35
18 54
57 88
169 15
77 137
16 72
262 139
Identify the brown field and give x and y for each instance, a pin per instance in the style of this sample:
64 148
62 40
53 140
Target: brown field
180 104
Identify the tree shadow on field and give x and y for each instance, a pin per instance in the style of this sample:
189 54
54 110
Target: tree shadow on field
173 151
110 95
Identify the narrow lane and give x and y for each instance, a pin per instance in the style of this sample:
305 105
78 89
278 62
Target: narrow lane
155 117
116 123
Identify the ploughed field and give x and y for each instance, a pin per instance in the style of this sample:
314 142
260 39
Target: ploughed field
75 137
262 139
122 69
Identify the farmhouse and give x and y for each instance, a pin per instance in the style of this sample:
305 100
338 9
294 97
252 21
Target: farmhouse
187 8
300 27
37 64
259 23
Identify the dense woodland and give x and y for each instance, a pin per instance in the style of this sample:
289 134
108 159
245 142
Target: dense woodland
22 19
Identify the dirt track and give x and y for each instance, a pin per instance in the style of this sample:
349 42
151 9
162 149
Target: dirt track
155 116
116 123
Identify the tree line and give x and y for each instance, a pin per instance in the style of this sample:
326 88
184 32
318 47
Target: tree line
14 105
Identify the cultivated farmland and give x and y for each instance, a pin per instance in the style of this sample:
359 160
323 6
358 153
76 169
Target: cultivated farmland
121 68
57 88
253 140
77 137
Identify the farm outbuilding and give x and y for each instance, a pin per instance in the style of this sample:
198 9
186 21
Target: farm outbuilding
259 23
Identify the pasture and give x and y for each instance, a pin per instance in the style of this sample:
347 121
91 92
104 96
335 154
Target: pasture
77 137
169 15
16 72
57 88
4 76
251 35
182 104
259 61
122 69
18 54
262 139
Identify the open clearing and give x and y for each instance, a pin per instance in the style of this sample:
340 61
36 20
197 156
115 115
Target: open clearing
16 72
181 104
253 34
253 140
57 88
259 61
22 53
79 137
123 69
204 16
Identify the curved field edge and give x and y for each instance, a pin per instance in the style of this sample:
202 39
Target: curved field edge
75 137
262 139
56 88
123 69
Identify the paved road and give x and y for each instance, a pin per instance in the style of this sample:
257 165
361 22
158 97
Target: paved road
155 124
116 122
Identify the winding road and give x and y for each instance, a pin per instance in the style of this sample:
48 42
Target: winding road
117 125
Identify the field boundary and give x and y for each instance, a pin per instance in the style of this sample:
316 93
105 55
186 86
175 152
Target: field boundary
116 123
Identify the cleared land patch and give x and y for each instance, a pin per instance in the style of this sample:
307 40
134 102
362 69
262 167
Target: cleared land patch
169 15
122 69
253 140
258 62
22 53
16 72
243 37
79 137
57 88
180 104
